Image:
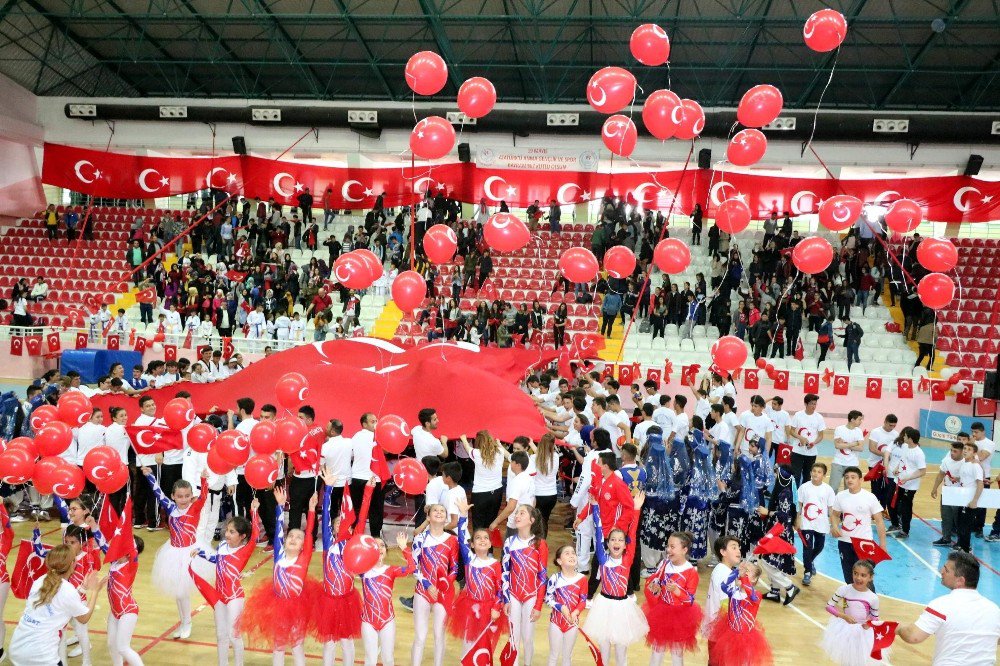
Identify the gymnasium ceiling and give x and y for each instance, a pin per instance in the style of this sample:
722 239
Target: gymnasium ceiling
899 54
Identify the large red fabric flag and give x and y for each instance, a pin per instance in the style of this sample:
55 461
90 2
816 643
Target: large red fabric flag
169 352
33 343
81 340
154 439
54 342
28 568
938 389
147 295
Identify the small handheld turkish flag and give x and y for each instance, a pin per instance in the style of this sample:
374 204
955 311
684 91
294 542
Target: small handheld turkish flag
16 345
751 379
986 407
189 338
904 388
781 380
885 634
964 397
772 543
121 542
508 656
227 348
800 351
866 549
114 342
810 383
55 344
873 388
481 652
81 340
28 568
688 374
147 295
154 439
841 384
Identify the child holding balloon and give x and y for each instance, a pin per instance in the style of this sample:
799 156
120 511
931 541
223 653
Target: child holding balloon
479 603
378 618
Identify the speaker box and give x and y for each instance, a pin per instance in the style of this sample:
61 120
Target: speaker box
974 165
464 154
991 387
239 145
705 158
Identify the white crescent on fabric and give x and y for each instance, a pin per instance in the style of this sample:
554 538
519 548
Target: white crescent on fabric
386 370
717 189
377 342
797 199
841 381
208 178
76 168
957 200
640 192
885 194
873 384
100 476
276 183
142 180
345 191
867 547
488 185
418 183
482 657
563 189
593 98
457 344
141 441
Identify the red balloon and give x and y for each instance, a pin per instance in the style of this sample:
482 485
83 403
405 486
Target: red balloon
812 255
729 353
16 466
619 135
44 473
217 463
825 30
372 261
264 437
25 443
692 122
53 439
505 233
746 147
68 481
650 45
762 363
201 437
291 432
42 415
672 256
409 290
476 97
233 447
611 89
100 463
619 262
115 482
291 389
904 216
936 290
840 212
179 413
361 553
733 216
662 113
74 408
392 434
937 254
352 271
759 106
261 471
410 476
578 264
426 73
432 138
440 243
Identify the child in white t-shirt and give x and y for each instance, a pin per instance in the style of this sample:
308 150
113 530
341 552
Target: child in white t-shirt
815 499
912 465
849 439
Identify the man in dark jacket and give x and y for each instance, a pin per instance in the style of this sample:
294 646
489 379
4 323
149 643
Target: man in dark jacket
761 336
485 267
852 340
305 201
793 326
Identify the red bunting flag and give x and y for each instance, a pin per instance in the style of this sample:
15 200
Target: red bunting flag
627 374
800 351
140 344
28 568
227 348
938 388
873 388
608 372
841 384
810 383
689 373
147 295
751 379
189 338
866 549
828 375
114 343
923 385
964 396
904 388
81 340
668 369
773 544
153 439
379 466
54 342
654 375
885 634
34 344
16 345
781 380
169 352
986 407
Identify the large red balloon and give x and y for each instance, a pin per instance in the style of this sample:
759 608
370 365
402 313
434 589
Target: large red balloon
264 437
825 30
692 122
352 271
759 106
25 443
729 353
410 476
115 482
44 475
426 73
432 138
291 389
904 216
101 463
261 471
440 243
672 256
372 261
662 113
361 553
178 413
937 254
733 216
409 290
476 97
392 433
611 89
291 433
578 264
619 262
812 255
619 135
42 415
840 212
505 233
68 481
201 436
16 466
746 147
233 447
217 463
74 408
650 45
53 439
936 290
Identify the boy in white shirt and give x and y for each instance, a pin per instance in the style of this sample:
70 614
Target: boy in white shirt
682 423
970 476
727 550
849 439
880 441
912 466
520 490
949 473
781 420
815 499
663 415
297 329
754 425
805 432
852 514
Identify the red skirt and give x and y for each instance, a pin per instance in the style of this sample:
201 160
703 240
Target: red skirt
274 622
738 649
469 618
672 625
336 618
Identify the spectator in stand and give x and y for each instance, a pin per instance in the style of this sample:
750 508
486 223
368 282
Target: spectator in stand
852 340
696 221
926 338
51 218
305 201
39 290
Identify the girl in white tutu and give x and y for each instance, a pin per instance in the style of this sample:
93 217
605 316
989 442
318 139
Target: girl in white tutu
849 637
170 568
615 617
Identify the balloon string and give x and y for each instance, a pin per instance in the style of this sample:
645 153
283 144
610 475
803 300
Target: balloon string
820 103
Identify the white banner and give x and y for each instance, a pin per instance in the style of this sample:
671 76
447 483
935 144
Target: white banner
955 496
538 159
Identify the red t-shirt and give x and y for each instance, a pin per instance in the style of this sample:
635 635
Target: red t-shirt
321 303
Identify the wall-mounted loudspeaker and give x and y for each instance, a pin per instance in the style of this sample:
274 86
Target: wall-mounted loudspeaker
974 165
705 158
464 154
239 145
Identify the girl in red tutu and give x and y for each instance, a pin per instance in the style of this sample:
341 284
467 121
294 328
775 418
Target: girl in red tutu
277 615
337 611
736 638
674 617
566 593
480 602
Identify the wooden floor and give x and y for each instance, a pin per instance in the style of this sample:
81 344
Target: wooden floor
794 631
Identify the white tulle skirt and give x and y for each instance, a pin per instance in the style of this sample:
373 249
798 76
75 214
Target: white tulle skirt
849 644
618 621
170 570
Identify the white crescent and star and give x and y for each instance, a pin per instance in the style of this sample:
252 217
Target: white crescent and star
79 174
345 191
211 174
593 97
418 184
874 384
336 274
957 199
276 183
717 189
639 192
102 476
806 510
840 207
500 221
140 440
854 519
866 547
797 199
884 195
145 186
488 187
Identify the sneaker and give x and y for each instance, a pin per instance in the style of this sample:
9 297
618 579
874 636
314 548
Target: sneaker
647 572
393 502
955 546
978 535
774 596
807 579
75 652
138 526
993 538
407 603
154 528
942 542
902 535
893 531
18 518
790 594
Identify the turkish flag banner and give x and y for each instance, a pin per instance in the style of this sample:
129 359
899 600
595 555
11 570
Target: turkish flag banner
873 388
227 348
938 389
147 295
781 380
140 344
169 352
866 549
654 375
688 374
154 439
508 656
626 374
81 340
841 384
964 396
54 342
608 372
481 650
28 568
810 383
986 407
924 385
34 345
113 343
595 651
773 544
16 345
121 543
904 388
751 379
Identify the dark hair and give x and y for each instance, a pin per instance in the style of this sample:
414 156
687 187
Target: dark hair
140 545
537 528
77 532
721 543
453 470
865 564
778 399
523 441
853 414
308 412
664 399
601 439
680 400
337 427
729 400
426 414
268 409
650 384
364 417
579 404
757 400
967 567
145 399
684 537
912 433
717 408
977 425
241 525
559 552
246 404
614 400
852 468
432 464
810 397
600 402
631 450
521 458
647 409
891 418
609 458
822 466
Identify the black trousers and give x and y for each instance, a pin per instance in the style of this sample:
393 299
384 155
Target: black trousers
169 475
145 510
812 546
801 467
245 495
904 507
336 499
608 324
376 514
964 521
545 504
299 492
486 507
